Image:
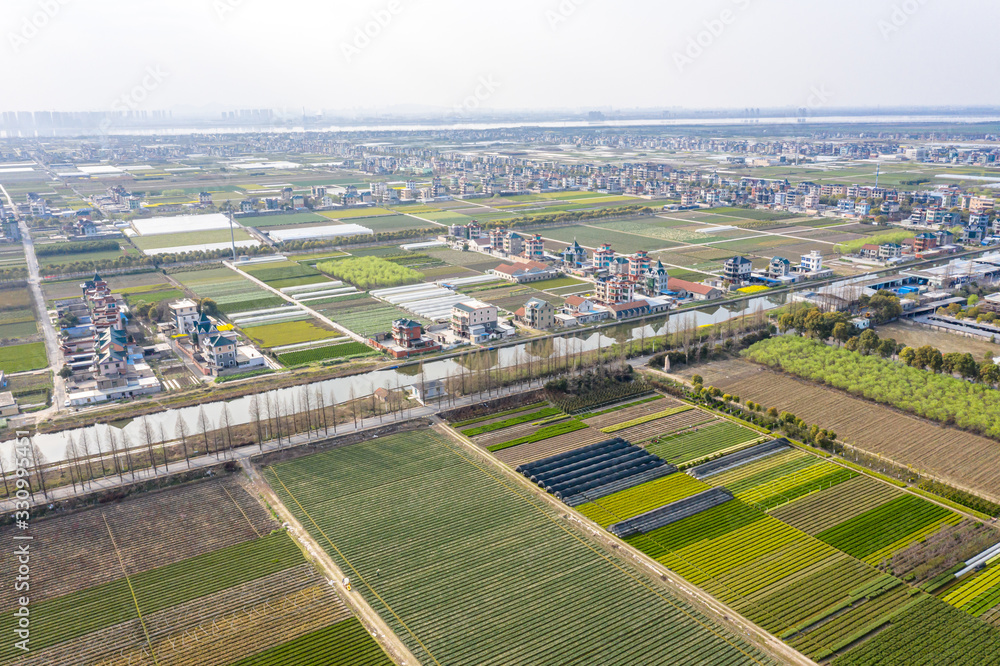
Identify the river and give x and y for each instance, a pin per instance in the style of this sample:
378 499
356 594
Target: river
53 445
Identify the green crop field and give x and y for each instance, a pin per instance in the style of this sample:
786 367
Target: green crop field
929 631
131 582
18 358
695 444
366 316
545 432
876 534
781 478
231 292
268 221
345 643
327 352
824 509
594 237
469 569
288 333
978 594
514 420
348 213
642 498
189 238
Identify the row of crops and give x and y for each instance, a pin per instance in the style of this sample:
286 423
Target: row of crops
693 445
202 560
467 568
231 292
799 549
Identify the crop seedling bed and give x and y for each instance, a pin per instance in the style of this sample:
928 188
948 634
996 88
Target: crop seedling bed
448 534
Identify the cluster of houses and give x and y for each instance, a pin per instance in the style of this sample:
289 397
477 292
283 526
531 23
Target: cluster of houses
624 286
106 362
210 347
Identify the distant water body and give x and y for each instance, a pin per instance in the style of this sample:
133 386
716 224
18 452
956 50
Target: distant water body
957 119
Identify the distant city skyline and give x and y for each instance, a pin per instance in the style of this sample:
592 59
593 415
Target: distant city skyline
397 56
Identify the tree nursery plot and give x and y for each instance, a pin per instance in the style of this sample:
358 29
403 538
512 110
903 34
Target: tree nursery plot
939 397
960 458
470 569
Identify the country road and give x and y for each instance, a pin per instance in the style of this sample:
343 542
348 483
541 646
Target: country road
52 349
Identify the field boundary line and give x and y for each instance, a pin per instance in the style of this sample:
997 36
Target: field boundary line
598 553
241 509
871 474
356 572
121 563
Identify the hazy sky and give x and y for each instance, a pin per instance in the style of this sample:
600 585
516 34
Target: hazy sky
385 55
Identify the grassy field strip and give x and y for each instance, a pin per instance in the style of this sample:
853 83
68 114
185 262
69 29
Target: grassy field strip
542 433
487 417
645 419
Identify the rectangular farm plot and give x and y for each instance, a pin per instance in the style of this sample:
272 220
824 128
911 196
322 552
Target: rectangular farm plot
289 333
781 478
642 498
20 358
743 557
697 443
231 292
196 576
470 570
826 508
879 532
667 421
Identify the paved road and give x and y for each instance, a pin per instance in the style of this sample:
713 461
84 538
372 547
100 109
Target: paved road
52 349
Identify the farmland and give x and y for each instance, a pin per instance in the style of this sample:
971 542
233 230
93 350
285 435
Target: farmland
451 539
327 352
231 292
697 443
19 358
935 396
289 333
966 462
365 316
370 272
131 581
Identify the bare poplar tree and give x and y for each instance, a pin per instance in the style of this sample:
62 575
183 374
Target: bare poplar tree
203 427
180 429
38 464
127 447
163 447
227 426
255 417
147 441
321 406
